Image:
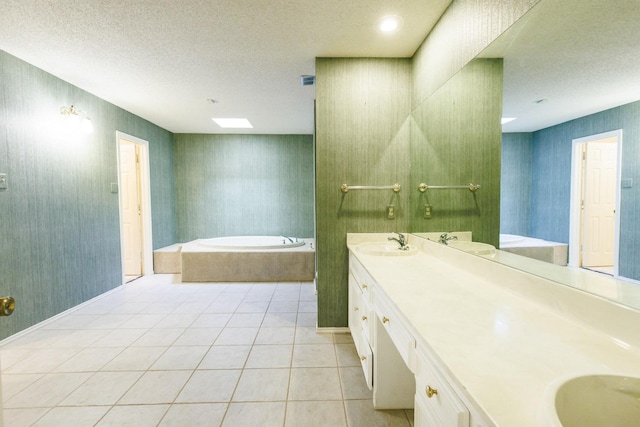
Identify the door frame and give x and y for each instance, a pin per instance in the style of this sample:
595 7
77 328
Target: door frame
575 227
145 201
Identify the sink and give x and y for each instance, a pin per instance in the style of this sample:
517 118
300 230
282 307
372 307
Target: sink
385 249
598 400
476 248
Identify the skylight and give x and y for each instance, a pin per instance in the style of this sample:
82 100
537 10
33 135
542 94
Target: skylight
233 123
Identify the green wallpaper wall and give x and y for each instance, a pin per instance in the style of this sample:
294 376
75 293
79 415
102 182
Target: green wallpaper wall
59 232
362 138
243 185
456 140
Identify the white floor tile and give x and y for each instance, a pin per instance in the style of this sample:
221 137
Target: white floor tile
225 357
194 414
156 387
262 385
263 414
209 386
133 416
103 388
161 352
175 358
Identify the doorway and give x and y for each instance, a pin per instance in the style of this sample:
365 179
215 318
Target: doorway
135 207
595 195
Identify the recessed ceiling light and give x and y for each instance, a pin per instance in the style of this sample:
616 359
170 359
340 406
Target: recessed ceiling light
390 23
233 123
507 119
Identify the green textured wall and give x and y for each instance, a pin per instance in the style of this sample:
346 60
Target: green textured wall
59 232
456 140
362 138
243 185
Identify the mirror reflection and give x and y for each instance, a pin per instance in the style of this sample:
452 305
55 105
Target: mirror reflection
571 86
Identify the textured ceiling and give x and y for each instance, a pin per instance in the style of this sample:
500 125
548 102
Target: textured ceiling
162 60
566 59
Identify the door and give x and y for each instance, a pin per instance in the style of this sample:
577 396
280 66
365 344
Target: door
599 203
131 208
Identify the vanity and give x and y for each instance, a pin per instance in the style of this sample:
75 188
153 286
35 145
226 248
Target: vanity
466 341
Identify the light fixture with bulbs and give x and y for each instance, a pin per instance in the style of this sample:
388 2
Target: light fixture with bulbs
76 119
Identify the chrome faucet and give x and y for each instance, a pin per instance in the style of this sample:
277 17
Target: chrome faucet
445 239
402 240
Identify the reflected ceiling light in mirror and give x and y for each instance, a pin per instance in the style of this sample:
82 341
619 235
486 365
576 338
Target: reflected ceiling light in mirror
507 120
76 119
390 23
233 123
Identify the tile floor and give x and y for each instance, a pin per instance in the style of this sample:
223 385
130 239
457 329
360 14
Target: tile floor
156 352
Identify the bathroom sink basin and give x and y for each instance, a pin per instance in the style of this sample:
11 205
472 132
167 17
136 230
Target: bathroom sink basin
385 249
476 248
598 400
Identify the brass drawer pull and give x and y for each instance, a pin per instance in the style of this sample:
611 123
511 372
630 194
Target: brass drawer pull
364 286
431 391
356 309
364 318
385 319
363 358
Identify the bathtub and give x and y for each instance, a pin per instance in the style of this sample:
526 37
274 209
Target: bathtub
252 242
543 250
248 259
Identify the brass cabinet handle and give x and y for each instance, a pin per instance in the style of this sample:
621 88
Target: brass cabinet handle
363 358
385 319
431 391
364 286
364 318
356 309
7 305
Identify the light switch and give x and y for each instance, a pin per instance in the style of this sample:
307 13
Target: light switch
627 183
3 181
114 187
427 211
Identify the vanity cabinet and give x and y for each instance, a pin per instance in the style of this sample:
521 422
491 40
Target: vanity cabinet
361 316
397 364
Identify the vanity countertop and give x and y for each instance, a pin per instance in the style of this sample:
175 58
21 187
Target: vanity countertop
504 336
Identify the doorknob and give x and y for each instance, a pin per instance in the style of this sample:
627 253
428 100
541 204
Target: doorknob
7 305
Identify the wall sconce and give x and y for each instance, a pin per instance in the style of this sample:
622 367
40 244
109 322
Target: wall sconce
76 119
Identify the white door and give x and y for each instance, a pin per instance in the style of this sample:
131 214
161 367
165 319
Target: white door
599 203
131 208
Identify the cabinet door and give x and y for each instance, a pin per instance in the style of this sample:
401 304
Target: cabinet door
437 396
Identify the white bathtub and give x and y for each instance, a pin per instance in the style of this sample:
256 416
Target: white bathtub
252 242
248 259
543 250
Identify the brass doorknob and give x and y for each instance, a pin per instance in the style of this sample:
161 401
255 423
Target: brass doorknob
7 305
431 391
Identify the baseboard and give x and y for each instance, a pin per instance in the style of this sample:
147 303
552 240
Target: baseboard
48 320
344 330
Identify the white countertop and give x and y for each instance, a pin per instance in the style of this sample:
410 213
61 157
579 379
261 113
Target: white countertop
505 340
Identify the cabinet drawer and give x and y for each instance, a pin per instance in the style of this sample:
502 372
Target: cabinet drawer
421 415
397 329
361 278
436 396
366 360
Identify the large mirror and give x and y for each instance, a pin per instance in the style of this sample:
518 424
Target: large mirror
571 75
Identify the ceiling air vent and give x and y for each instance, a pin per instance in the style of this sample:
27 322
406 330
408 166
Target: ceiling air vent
307 80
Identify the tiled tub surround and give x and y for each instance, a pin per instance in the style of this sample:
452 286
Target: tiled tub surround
199 263
502 337
160 352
